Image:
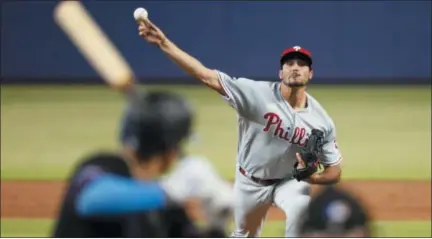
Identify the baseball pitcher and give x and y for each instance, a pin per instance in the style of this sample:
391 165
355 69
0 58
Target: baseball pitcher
284 135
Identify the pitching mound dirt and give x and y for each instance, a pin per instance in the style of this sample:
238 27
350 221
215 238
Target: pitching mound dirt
387 200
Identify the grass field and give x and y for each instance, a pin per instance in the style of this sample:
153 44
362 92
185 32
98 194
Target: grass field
384 133
40 228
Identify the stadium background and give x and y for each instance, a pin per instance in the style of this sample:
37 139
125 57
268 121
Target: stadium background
372 63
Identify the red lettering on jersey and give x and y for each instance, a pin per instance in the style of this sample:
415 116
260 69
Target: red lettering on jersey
298 137
295 138
274 119
302 139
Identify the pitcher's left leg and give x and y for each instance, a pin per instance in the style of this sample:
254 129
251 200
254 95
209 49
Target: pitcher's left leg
293 198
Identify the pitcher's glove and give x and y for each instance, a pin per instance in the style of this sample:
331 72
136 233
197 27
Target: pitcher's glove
310 156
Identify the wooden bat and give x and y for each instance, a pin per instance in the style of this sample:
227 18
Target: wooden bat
73 18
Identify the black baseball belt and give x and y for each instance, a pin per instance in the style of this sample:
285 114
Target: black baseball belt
264 182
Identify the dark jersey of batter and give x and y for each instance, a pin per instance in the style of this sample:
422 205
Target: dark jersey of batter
171 221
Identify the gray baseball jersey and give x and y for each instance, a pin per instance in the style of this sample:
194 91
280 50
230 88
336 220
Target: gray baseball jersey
271 132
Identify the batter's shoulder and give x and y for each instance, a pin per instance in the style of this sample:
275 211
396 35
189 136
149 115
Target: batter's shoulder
107 161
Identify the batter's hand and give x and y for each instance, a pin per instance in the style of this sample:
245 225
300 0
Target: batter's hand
150 32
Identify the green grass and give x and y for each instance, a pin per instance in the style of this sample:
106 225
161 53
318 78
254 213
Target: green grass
384 132
41 228
26 227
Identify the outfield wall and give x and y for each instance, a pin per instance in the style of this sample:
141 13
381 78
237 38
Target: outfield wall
191 81
352 42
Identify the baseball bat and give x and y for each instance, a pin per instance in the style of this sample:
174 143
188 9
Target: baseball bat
74 19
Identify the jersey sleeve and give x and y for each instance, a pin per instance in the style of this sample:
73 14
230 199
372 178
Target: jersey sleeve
116 195
331 152
241 93
101 187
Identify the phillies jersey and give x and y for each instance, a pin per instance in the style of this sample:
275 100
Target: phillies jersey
270 131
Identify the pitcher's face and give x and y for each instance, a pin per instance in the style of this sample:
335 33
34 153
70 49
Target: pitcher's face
295 73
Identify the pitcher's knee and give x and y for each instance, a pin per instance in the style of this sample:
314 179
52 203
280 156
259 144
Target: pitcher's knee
293 215
291 229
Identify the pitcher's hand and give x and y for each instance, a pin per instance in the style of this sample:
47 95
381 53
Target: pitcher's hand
300 161
301 165
150 32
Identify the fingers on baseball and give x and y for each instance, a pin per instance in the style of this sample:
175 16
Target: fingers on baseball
149 24
141 29
146 31
145 23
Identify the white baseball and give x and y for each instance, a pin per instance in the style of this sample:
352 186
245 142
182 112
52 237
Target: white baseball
140 13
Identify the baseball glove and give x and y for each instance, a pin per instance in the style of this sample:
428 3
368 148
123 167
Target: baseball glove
310 155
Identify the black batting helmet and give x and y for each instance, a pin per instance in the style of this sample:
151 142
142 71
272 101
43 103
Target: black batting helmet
155 122
335 211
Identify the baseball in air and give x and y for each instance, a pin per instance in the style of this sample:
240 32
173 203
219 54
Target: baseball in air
140 14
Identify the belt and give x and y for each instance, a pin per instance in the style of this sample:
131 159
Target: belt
264 182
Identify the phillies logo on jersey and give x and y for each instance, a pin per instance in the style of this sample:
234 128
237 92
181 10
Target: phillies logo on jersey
298 135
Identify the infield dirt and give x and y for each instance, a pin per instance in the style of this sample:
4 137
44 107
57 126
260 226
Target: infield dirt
386 200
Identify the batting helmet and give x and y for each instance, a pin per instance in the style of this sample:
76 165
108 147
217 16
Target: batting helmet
155 122
334 211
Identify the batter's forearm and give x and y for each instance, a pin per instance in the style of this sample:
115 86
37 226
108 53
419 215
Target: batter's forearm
191 65
115 195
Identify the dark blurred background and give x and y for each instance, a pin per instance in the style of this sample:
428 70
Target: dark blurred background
351 42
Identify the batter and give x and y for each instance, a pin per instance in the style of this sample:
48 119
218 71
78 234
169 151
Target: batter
275 120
